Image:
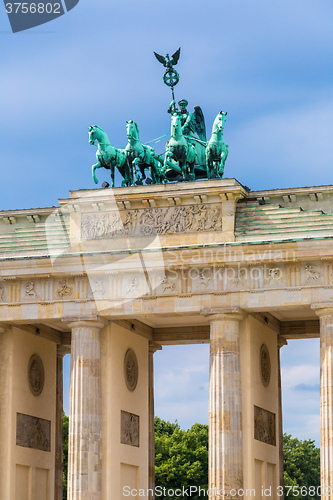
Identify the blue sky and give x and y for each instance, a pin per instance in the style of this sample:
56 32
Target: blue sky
268 63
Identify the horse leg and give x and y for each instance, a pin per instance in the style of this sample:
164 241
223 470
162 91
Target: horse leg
208 163
184 164
112 169
137 165
143 173
94 167
128 180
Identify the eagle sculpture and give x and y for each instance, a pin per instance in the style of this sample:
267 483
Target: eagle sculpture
166 61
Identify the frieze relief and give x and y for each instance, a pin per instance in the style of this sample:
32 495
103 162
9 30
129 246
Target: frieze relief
97 287
134 284
63 290
130 427
168 283
312 274
264 426
152 221
33 432
30 291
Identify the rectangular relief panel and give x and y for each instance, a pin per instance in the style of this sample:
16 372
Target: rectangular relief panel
264 426
129 433
22 482
33 432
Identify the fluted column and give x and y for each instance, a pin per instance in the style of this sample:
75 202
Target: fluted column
225 406
281 342
58 489
85 417
326 400
151 480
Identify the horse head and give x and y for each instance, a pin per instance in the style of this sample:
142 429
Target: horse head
176 127
132 130
219 122
92 134
96 133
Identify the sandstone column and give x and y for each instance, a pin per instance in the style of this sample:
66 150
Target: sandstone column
225 405
326 399
85 418
151 480
281 342
61 351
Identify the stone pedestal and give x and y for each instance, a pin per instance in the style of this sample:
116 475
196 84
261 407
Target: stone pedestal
326 400
85 419
225 406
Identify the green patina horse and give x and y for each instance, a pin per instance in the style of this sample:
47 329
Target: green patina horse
141 157
179 154
107 156
217 149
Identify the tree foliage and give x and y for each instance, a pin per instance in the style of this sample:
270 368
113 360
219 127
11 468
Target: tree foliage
65 454
301 468
181 460
181 457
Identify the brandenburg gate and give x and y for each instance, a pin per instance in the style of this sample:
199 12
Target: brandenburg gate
111 276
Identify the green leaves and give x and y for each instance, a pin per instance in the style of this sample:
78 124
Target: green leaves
301 468
181 461
65 454
181 457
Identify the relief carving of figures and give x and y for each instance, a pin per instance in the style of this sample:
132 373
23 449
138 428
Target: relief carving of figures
168 284
166 220
264 426
130 425
35 375
129 221
240 278
312 275
64 291
33 432
203 279
202 217
274 274
97 286
2 291
131 369
133 287
29 290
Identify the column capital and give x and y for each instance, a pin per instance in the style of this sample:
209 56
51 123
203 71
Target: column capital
62 350
88 321
281 341
323 309
224 313
153 347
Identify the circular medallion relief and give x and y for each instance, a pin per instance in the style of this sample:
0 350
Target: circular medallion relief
265 365
35 375
131 369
